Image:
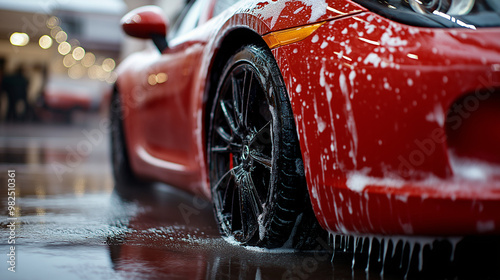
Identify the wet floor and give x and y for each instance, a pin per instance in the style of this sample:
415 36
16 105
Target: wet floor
70 221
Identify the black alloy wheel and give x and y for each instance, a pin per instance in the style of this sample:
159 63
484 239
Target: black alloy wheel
255 165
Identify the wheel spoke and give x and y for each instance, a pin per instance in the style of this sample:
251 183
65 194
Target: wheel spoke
247 90
250 205
223 185
265 160
237 95
263 136
224 135
228 114
243 213
225 149
225 179
253 196
234 195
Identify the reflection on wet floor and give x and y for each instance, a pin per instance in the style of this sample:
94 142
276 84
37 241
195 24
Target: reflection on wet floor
73 223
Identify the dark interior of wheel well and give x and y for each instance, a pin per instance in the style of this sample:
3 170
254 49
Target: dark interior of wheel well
231 43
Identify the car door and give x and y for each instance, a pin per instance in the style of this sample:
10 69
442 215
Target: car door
167 111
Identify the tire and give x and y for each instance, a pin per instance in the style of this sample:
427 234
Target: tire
122 172
255 164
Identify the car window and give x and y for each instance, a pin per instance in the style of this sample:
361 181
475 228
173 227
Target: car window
221 5
189 19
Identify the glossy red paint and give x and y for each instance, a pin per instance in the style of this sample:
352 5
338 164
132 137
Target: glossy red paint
373 138
144 22
371 99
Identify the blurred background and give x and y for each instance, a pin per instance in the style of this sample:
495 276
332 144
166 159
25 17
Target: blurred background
58 57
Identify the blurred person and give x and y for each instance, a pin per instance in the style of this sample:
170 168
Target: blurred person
38 80
3 99
16 87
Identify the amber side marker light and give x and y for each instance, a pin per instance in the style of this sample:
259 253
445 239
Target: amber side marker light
289 36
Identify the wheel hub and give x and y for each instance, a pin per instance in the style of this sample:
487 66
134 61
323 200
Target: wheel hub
245 154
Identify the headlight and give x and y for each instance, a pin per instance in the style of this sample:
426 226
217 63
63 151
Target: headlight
439 13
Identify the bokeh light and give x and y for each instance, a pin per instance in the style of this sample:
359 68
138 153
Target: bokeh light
152 79
53 22
74 42
61 36
103 75
45 42
108 65
76 71
75 59
94 72
69 61
54 31
161 78
19 39
64 48
111 79
88 60
78 53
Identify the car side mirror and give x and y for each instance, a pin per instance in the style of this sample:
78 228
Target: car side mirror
147 22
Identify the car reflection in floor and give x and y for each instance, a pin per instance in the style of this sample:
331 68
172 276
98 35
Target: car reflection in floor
174 235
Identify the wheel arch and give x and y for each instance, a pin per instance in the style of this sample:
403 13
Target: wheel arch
229 44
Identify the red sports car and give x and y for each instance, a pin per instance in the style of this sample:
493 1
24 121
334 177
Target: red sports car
374 117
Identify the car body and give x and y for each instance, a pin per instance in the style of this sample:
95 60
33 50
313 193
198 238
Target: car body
398 124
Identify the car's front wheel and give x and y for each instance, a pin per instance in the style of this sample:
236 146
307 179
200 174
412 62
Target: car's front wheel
255 164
